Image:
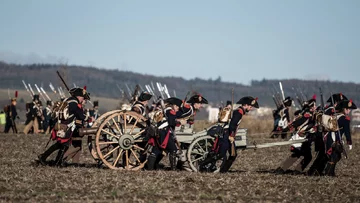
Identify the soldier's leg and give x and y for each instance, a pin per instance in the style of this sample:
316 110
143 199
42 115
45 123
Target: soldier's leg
319 163
225 166
153 158
8 125
36 126
230 160
42 157
335 157
223 150
172 149
28 127
74 151
59 158
306 152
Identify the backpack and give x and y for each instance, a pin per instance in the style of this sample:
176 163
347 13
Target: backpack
224 115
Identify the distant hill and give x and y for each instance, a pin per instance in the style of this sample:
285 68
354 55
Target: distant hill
103 83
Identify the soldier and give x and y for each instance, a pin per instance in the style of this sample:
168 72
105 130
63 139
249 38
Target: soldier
47 117
321 158
11 115
40 118
282 118
303 127
69 121
333 140
32 115
227 142
188 109
140 105
166 140
330 109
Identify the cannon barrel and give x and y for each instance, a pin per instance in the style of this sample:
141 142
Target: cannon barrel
87 131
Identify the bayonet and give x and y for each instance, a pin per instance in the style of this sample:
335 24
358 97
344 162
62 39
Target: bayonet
41 95
52 88
27 89
32 92
282 90
47 96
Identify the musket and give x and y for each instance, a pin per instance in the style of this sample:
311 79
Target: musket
134 96
32 92
322 105
152 86
128 89
166 91
186 96
340 136
152 92
41 95
297 98
277 104
174 93
159 88
63 81
47 96
233 150
141 88
148 88
27 89
122 92
275 101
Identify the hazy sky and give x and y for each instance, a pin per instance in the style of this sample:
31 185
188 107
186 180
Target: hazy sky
237 40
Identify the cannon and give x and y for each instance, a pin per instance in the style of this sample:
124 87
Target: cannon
118 140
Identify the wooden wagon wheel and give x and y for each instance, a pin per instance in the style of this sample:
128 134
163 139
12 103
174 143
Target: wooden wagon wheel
120 142
200 151
91 139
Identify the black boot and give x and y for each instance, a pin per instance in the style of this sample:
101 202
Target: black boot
330 169
172 159
227 165
151 162
60 155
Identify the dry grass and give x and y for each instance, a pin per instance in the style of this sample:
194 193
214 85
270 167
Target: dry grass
250 180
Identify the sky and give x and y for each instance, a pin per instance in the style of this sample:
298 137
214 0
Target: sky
238 41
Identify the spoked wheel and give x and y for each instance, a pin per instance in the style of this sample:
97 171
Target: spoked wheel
120 142
91 138
201 157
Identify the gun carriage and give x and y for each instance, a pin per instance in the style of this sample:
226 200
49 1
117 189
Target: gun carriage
118 140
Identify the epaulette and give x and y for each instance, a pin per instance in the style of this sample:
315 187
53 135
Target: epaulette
80 106
172 112
347 118
186 105
241 111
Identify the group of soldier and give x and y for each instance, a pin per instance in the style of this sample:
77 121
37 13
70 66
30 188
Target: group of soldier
64 119
39 119
320 125
176 112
